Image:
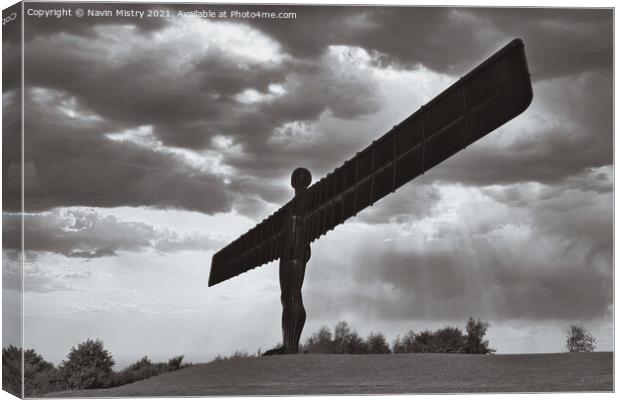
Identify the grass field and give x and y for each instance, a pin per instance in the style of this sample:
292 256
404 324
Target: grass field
367 374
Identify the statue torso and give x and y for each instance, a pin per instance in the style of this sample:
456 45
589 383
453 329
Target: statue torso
294 245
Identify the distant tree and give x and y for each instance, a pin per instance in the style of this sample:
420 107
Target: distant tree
342 332
319 342
579 340
397 345
448 340
141 369
87 366
12 370
423 342
176 362
356 345
40 376
239 354
475 343
376 344
142 363
404 345
347 341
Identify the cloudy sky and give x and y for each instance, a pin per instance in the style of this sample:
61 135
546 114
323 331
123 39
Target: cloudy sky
150 144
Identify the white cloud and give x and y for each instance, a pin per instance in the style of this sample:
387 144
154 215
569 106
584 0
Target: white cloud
186 41
204 161
63 104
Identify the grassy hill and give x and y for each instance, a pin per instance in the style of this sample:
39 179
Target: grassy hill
367 374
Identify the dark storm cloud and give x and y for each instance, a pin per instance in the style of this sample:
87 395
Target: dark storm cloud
342 93
11 150
11 105
445 39
141 81
11 65
86 25
186 112
69 162
556 289
83 233
439 286
560 42
407 36
570 131
555 50
134 91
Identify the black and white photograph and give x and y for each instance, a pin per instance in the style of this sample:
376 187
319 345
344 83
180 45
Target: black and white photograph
227 199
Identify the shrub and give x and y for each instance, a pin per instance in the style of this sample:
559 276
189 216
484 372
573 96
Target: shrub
141 369
145 368
88 366
175 363
579 340
239 354
12 370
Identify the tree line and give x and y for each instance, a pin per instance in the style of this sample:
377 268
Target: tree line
87 366
345 340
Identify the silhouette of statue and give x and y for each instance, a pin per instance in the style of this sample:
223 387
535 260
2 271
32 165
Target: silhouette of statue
295 255
492 94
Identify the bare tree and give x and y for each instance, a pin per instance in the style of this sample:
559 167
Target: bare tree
579 340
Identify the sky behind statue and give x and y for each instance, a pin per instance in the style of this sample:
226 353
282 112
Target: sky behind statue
152 143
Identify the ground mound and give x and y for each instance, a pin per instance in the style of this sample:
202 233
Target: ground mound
377 373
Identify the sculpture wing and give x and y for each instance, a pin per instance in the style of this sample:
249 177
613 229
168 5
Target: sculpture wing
258 246
492 94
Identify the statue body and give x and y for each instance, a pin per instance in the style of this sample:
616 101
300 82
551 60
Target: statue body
490 95
295 256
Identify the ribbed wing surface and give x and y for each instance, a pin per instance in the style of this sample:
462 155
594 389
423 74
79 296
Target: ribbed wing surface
256 247
492 94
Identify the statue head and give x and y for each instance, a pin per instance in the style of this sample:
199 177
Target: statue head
300 179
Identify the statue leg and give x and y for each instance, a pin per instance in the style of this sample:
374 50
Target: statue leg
293 312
